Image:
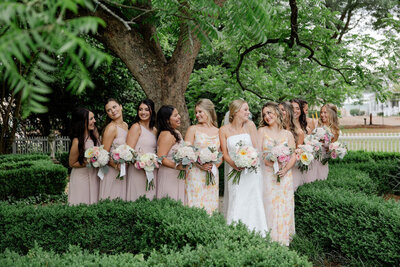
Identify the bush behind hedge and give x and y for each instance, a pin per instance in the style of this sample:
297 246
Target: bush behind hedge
349 179
140 227
354 224
23 157
41 177
383 173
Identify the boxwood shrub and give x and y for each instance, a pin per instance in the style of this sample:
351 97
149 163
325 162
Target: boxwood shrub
22 157
181 235
357 225
349 179
383 173
201 256
24 179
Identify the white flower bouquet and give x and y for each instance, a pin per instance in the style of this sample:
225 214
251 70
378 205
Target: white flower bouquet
148 162
211 155
279 154
98 157
316 144
186 155
123 154
304 156
323 134
244 157
336 150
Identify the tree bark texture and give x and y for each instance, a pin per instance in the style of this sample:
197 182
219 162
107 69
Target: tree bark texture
164 81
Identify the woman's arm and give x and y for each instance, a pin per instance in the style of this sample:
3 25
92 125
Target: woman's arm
166 140
300 138
108 137
189 137
222 140
133 135
261 133
74 155
292 160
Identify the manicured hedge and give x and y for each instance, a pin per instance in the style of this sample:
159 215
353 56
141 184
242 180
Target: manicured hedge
202 256
23 179
363 156
356 225
383 173
63 159
74 257
349 179
22 157
189 234
354 157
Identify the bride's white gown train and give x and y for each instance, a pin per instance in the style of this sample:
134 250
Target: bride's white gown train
245 201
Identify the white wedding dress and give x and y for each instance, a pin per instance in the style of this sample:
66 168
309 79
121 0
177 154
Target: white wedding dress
245 201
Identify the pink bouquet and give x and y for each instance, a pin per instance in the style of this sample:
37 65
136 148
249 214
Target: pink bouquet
336 150
211 155
244 157
186 155
148 162
316 145
123 154
98 157
323 134
279 154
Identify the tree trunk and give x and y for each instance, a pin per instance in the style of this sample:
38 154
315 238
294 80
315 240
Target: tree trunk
165 82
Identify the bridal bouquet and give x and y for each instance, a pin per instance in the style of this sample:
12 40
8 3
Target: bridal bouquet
148 162
186 155
279 154
304 156
323 134
211 155
98 157
336 150
316 145
123 154
244 157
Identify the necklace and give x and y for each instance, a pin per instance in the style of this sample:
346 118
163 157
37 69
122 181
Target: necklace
121 125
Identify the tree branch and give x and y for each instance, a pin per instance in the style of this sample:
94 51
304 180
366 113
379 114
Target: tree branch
125 23
293 39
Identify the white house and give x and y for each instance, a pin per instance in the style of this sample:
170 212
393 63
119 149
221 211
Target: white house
369 104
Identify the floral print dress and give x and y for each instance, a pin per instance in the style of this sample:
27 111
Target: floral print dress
198 193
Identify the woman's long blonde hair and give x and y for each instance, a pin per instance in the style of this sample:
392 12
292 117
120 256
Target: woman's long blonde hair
208 106
234 107
279 116
333 121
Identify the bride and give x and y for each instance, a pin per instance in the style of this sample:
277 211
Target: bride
244 202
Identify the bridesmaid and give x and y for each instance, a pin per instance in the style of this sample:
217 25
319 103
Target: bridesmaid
298 134
278 196
114 135
205 133
299 115
141 137
328 118
83 182
169 138
289 123
310 121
